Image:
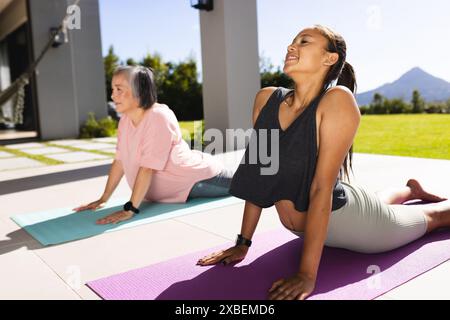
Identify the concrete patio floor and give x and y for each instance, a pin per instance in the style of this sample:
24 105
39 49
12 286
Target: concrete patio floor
30 271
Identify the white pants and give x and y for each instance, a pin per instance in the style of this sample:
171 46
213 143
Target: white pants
368 225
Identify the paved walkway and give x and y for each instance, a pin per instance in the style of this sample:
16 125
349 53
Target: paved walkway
27 157
30 271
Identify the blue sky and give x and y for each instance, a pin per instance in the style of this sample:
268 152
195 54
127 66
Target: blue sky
384 38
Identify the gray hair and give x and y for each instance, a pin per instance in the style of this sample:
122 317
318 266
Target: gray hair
142 83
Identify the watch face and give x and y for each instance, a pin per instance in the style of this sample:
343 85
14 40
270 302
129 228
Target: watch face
127 206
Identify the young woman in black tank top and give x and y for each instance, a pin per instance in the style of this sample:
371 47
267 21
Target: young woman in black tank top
307 190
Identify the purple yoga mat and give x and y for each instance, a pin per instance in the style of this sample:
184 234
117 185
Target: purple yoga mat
276 254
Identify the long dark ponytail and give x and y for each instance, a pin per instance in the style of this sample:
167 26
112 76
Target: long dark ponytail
345 75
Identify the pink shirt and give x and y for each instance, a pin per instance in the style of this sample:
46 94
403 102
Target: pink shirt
157 143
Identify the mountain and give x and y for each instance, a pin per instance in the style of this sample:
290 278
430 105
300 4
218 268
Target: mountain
430 87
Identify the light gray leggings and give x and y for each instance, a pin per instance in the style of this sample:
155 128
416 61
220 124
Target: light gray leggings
368 225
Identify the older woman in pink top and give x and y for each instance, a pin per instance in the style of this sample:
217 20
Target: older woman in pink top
158 164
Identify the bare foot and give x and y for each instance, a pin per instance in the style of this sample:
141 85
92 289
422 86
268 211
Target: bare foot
438 215
419 193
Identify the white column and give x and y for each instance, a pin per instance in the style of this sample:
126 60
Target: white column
230 63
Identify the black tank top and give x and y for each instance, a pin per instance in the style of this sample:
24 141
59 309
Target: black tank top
297 159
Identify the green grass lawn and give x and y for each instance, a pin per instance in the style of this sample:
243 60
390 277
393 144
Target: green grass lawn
411 135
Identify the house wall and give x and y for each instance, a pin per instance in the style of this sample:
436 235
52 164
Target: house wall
70 79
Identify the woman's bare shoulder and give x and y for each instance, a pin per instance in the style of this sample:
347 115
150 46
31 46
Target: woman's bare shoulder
263 95
340 98
261 99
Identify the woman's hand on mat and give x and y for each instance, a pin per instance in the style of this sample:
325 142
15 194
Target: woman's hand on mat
116 217
297 287
91 206
225 257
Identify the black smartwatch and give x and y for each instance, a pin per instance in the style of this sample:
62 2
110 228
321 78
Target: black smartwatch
241 240
129 207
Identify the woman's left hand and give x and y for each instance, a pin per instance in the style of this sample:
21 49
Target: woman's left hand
297 287
116 217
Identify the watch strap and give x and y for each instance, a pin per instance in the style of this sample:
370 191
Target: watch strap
243 241
129 207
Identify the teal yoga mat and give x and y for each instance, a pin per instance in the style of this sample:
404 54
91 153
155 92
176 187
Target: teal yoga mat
63 224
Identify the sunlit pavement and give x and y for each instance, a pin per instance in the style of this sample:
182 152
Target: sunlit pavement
30 271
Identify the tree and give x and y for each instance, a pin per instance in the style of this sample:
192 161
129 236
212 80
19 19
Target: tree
364 109
378 106
436 107
418 104
110 62
131 62
447 103
161 69
177 86
183 92
269 77
276 79
397 105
